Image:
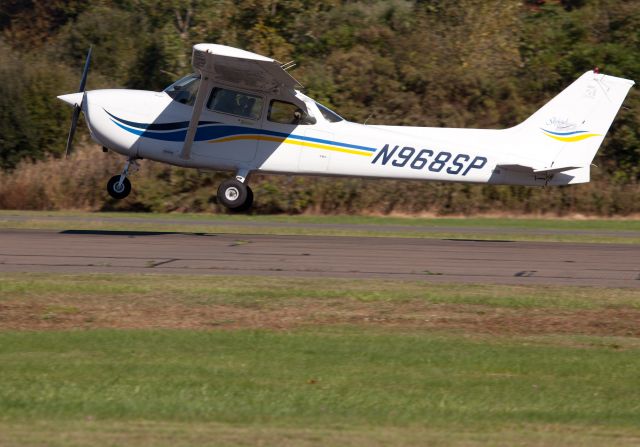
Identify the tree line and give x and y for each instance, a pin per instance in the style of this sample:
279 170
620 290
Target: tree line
454 63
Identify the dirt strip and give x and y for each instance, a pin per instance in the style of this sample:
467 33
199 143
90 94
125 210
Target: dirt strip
144 314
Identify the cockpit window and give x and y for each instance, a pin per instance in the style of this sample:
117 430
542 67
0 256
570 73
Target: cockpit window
185 89
282 112
329 114
235 103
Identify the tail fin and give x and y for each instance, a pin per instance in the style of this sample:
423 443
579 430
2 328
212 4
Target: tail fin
567 131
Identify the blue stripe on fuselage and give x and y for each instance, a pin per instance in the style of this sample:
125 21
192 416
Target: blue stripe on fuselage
210 132
158 126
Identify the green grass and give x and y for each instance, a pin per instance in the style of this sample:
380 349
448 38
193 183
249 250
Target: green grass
510 222
324 380
257 291
466 228
177 434
314 378
314 384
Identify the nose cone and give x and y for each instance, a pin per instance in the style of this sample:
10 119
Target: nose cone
73 99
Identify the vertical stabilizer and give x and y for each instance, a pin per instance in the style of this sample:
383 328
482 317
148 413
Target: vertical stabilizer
569 129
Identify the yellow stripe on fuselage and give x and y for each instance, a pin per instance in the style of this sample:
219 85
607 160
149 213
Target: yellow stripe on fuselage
573 138
292 141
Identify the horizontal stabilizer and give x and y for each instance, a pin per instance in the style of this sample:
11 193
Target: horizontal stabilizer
532 170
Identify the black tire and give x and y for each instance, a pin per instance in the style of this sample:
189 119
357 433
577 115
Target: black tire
232 194
246 206
116 192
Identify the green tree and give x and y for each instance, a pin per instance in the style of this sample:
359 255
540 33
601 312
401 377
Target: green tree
32 120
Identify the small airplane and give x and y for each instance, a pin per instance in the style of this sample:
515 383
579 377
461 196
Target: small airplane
243 112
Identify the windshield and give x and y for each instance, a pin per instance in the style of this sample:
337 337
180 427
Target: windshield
329 114
185 89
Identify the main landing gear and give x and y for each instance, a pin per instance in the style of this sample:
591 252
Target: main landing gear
119 186
235 194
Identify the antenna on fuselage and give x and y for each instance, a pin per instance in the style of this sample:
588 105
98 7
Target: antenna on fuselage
288 65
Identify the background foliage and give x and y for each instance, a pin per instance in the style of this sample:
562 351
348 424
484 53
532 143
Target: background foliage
462 63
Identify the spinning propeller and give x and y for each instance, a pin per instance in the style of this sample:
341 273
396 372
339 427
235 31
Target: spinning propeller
76 100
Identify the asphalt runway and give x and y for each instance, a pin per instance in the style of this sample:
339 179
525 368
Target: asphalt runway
450 261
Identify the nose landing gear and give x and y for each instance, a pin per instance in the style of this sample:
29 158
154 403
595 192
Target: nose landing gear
235 194
119 186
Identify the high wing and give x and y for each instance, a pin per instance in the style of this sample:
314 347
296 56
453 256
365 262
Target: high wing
232 66
242 68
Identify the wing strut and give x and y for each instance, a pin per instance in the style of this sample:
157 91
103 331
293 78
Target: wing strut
201 96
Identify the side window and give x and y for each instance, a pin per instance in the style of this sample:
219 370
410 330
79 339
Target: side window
286 113
235 103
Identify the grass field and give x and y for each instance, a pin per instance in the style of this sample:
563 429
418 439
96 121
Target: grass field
480 228
510 222
175 360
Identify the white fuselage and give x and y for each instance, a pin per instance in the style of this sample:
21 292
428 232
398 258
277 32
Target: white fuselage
152 125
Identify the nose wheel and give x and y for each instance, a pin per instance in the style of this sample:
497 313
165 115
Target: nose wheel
119 186
235 195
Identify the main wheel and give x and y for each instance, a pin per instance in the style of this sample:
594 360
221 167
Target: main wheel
232 194
118 190
246 206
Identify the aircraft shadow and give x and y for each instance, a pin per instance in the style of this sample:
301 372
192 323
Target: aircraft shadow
478 240
128 233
